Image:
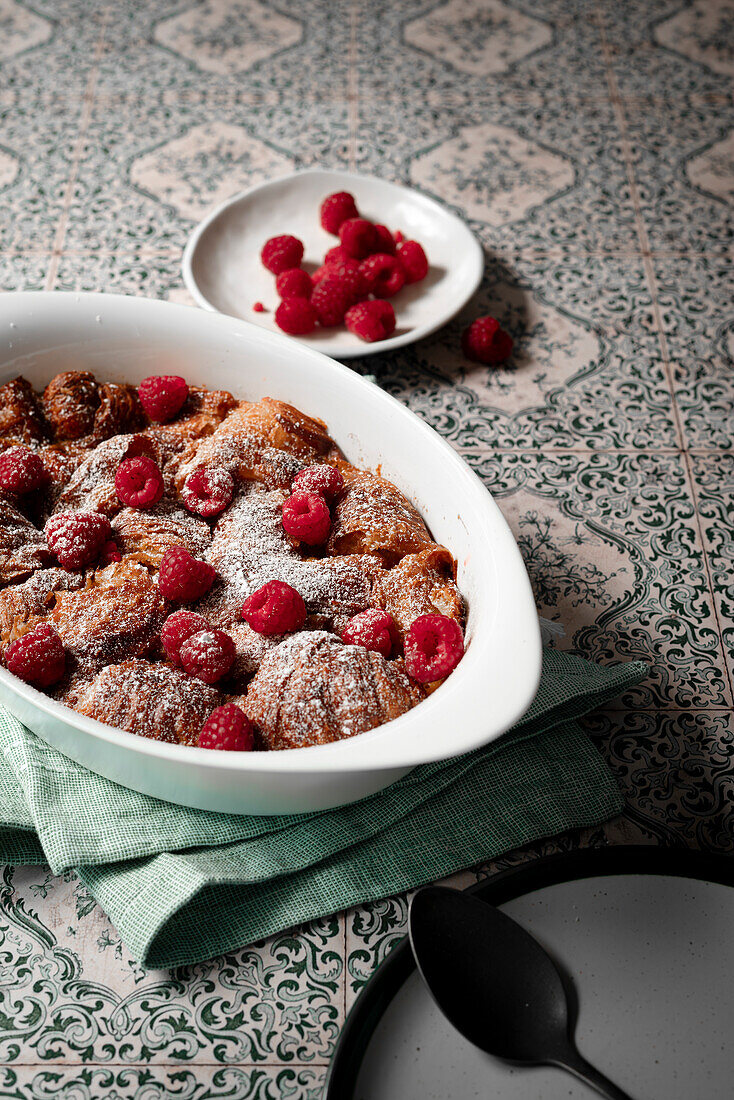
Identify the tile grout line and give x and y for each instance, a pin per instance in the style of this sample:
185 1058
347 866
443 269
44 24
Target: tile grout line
651 279
85 119
352 88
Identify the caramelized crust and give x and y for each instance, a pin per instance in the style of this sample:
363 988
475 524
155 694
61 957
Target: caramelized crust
373 517
117 615
21 418
119 411
312 689
70 402
154 701
422 584
23 548
146 536
22 606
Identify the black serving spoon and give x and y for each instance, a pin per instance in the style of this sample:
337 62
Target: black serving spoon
495 983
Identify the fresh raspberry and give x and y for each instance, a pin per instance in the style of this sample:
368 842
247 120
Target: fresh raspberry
335 209
281 253
208 655
207 492
335 255
319 274
294 283
385 240
383 274
325 480
485 342
296 316
399 236
38 657
413 261
227 728
331 299
110 554
276 608
358 237
306 517
139 482
371 320
183 577
433 647
76 538
372 629
258 307
163 395
177 629
21 470
349 273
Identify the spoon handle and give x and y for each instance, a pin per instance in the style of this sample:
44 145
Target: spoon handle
590 1075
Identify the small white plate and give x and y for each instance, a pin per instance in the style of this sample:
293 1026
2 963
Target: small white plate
222 268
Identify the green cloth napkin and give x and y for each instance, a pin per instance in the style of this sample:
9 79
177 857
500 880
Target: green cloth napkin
183 885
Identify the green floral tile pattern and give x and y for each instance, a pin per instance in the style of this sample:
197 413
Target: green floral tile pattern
591 148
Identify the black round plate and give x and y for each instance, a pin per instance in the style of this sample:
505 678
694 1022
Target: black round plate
503 887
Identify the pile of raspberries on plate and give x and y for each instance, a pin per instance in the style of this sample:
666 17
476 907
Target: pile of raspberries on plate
369 265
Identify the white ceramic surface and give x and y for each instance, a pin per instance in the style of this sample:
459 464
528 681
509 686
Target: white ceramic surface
222 268
128 338
651 959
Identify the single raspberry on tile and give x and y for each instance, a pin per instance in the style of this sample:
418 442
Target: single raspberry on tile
331 299
371 320
109 554
177 629
325 480
38 657
335 209
413 261
21 470
227 728
275 608
335 255
434 645
76 538
296 316
372 629
139 482
306 517
281 253
383 274
484 341
358 237
385 241
294 283
183 577
208 655
208 491
162 396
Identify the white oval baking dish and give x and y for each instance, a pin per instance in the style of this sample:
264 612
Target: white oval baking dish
125 339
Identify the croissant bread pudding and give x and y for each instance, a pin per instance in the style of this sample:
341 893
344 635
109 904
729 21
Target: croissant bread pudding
211 572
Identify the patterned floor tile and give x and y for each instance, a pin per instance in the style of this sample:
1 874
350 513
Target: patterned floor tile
524 174
676 773
119 1082
713 477
146 273
276 1002
695 295
612 548
682 156
150 172
586 369
23 271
